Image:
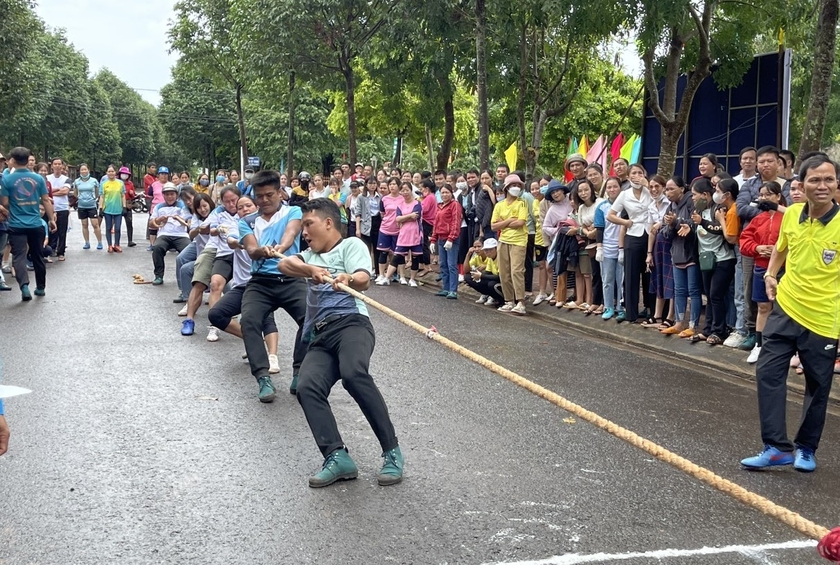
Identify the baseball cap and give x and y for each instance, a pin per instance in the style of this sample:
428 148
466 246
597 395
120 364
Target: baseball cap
169 187
163 170
490 243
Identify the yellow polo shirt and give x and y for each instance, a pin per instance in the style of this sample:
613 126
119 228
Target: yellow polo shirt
490 266
517 210
809 291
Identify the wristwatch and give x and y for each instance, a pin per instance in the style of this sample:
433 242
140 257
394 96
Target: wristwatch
772 276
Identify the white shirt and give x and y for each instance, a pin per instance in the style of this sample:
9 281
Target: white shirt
221 217
637 210
740 179
172 227
60 203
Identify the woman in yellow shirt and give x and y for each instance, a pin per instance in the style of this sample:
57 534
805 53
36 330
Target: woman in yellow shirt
509 221
540 248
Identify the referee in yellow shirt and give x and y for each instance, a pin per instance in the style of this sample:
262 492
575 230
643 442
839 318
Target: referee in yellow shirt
805 319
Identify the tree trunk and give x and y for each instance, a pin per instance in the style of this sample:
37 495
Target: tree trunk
448 133
532 154
430 148
523 85
481 70
240 115
821 79
668 149
350 91
290 150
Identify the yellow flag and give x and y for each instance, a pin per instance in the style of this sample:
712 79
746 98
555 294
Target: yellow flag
583 147
627 148
510 156
781 37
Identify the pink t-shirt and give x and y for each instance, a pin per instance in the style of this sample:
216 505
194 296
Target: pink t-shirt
429 204
388 209
157 194
411 233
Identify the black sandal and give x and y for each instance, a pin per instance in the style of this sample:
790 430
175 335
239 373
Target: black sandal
650 323
666 324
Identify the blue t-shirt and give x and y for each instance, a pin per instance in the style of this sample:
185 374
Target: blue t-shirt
88 192
270 233
24 190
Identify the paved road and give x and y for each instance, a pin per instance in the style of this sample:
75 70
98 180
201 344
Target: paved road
141 446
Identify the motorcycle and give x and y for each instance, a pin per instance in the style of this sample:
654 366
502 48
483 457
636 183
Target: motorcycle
139 204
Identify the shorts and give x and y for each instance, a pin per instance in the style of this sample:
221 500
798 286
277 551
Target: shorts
759 289
387 242
203 268
224 266
405 250
540 251
87 213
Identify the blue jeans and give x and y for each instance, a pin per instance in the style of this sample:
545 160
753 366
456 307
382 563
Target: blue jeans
612 277
449 266
188 255
740 323
113 221
688 283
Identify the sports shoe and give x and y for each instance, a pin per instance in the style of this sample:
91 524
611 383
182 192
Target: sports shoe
506 307
442 293
452 296
7 268
378 278
804 460
482 299
490 302
519 309
4 286
753 357
25 295
621 317
338 466
179 300
99 246
403 281
213 334
132 244
383 282
608 314
86 245
183 311
392 470
267 392
188 326
40 291
770 457
540 299
158 281
273 365
460 278
30 266
395 278
149 248
294 384
734 340
412 283
748 343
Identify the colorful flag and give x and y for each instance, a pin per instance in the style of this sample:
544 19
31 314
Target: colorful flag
627 148
615 150
636 154
583 147
511 155
597 153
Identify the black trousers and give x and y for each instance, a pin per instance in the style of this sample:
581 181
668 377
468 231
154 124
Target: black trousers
263 295
529 263
635 269
230 305
716 285
427 234
30 241
597 282
162 245
342 350
487 285
782 337
62 219
128 215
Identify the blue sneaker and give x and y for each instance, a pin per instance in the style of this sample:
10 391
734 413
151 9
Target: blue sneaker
805 461
149 248
99 246
158 281
25 295
187 327
267 392
608 313
392 470
338 466
621 317
293 386
86 245
770 457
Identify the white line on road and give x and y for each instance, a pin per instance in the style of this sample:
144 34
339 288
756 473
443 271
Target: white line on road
751 550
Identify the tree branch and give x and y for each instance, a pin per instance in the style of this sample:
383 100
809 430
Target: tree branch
652 88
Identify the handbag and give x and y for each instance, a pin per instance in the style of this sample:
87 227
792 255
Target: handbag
707 260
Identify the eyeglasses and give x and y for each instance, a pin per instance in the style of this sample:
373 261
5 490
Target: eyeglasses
816 181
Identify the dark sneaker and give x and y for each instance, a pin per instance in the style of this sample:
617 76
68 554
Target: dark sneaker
748 343
25 295
267 391
392 470
132 244
622 316
770 457
804 460
40 292
188 327
158 281
179 300
338 466
293 386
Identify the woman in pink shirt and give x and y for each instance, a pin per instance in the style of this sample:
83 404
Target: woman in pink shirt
389 229
409 240
429 204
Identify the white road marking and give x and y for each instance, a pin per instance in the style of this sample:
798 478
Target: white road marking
747 550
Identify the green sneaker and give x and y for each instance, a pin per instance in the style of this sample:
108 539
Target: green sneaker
158 281
392 471
338 466
293 386
25 295
40 292
442 293
266 389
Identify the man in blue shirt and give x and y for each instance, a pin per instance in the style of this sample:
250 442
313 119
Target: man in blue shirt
265 234
21 194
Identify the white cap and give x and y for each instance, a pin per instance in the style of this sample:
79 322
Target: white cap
490 243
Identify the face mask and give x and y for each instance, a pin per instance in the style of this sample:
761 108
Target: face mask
85 177
718 198
461 186
500 197
514 191
124 176
204 182
701 205
220 179
634 185
249 175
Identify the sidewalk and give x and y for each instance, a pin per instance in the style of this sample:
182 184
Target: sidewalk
719 358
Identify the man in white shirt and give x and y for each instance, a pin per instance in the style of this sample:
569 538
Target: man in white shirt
60 185
171 219
747 159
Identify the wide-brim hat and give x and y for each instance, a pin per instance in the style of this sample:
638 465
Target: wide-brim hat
553 186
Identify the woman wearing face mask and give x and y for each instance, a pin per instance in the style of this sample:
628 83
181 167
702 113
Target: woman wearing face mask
659 258
86 189
446 233
202 185
429 205
540 247
469 227
678 228
221 181
128 213
112 201
485 200
558 211
509 219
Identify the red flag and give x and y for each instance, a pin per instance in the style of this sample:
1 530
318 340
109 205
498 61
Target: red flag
615 150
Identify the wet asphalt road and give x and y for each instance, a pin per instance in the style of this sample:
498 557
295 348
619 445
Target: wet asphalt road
141 446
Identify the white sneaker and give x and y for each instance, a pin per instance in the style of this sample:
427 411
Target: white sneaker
7 268
519 309
540 299
460 278
506 307
550 297
482 299
412 283
183 311
378 278
754 355
490 302
273 365
403 281
734 340
213 334
382 281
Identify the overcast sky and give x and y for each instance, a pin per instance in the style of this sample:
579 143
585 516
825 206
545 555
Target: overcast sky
137 53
